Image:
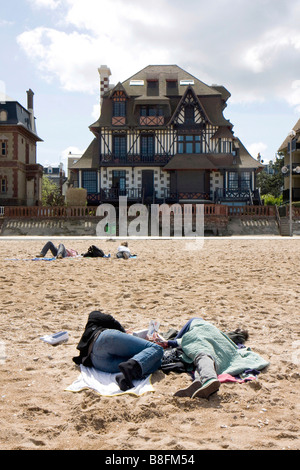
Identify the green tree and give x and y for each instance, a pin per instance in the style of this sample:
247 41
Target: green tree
51 195
272 183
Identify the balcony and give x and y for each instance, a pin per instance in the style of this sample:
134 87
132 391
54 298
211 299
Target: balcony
113 194
295 195
135 159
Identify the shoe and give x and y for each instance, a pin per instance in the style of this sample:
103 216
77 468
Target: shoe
207 389
59 256
40 255
122 382
188 391
126 255
131 370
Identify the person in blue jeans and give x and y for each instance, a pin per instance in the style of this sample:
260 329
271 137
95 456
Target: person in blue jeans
106 346
58 252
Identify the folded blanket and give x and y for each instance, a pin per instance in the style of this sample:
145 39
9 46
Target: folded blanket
229 359
106 384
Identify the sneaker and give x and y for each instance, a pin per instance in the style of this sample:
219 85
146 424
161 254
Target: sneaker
59 256
188 391
40 255
207 389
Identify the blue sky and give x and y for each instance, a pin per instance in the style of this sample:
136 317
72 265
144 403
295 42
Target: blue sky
55 47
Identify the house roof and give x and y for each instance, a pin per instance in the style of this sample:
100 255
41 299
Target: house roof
211 98
285 143
202 161
17 115
90 158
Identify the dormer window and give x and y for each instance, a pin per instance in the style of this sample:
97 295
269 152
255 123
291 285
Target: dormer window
3 115
119 109
119 104
152 87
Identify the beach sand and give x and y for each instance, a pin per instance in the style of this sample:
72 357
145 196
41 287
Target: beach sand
251 283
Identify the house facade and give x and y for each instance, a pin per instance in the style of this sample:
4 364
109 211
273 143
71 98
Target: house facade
20 175
162 137
290 148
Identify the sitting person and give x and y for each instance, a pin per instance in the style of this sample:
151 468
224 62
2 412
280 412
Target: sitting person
123 251
212 352
58 252
106 346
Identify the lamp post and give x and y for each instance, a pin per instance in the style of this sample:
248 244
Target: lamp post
292 136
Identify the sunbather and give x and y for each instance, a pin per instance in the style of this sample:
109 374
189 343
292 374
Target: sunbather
123 251
212 352
58 252
106 346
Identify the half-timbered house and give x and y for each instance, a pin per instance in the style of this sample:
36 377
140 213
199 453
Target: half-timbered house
162 137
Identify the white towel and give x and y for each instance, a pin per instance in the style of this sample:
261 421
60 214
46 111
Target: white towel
105 383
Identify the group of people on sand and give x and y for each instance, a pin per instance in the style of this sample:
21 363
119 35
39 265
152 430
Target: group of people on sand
61 251
106 345
203 349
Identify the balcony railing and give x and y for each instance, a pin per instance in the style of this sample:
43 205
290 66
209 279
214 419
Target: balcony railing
295 196
152 120
241 195
131 159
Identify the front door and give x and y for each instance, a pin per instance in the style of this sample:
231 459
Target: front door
148 185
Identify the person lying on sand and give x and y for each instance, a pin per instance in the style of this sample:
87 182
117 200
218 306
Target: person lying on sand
106 346
123 251
212 352
58 252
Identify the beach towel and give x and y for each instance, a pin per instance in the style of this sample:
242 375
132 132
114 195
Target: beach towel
229 359
105 383
54 258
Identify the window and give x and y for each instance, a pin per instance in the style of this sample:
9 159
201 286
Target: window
3 115
151 111
233 180
119 104
120 146
246 180
3 149
172 87
152 88
189 114
119 181
189 144
147 145
3 185
89 181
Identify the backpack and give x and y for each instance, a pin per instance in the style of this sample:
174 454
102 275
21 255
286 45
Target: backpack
94 252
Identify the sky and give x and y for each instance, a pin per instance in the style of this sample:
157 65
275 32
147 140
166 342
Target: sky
55 47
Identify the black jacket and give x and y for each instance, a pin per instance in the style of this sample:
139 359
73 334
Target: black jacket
97 322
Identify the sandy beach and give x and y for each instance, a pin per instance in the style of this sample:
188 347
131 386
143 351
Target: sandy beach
250 283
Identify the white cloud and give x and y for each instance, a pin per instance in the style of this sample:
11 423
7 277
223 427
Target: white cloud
257 147
52 4
252 48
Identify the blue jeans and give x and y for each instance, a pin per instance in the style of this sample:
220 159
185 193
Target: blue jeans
113 347
61 250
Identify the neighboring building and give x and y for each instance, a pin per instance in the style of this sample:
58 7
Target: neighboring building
57 175
162 137
20 175
291 147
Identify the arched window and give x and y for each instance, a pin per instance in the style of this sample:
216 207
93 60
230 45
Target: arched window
3 115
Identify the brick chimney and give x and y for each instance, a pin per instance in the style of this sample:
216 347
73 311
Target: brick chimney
104 73
30 108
